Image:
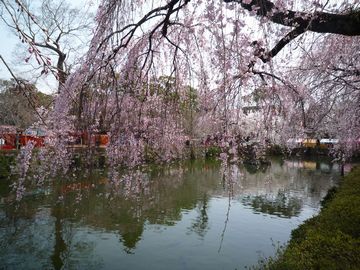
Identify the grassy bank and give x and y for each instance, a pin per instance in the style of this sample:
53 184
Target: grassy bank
330 240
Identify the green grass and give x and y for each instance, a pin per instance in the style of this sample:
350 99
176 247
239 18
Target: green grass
330 240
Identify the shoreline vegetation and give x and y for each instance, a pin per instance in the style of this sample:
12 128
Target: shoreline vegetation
330 240
246 153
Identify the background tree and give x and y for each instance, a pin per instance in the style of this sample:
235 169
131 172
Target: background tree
55 33
18 103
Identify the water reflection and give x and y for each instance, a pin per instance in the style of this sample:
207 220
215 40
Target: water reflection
200 224
282 205
62 229
59 245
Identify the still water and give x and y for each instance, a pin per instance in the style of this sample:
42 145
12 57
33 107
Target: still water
189 216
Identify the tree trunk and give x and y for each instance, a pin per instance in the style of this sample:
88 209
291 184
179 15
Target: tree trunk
61 70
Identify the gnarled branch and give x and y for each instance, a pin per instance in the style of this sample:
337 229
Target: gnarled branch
347 24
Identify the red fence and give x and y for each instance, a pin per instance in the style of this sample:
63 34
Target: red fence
9 141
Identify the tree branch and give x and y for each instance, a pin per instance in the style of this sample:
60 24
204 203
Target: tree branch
281 44
347 24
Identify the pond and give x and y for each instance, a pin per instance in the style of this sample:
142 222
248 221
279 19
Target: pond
188 216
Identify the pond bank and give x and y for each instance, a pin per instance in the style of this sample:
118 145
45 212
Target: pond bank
330 240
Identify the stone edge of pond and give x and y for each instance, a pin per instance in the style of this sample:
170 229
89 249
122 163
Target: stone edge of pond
330 240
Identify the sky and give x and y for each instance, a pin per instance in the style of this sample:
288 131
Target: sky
9 42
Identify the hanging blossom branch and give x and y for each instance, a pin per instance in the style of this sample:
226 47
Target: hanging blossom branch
23 165
128 31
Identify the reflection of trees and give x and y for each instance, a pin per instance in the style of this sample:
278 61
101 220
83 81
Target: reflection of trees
265 190
253 168
201 225
121 217
158 197
283 205
131 236
225 224
37 230
25 232
60 245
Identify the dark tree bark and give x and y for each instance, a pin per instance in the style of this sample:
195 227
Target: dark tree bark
61 58
61 68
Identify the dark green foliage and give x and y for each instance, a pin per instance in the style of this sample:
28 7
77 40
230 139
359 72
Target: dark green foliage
328 197
275 150
330 240
212 152
6 161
